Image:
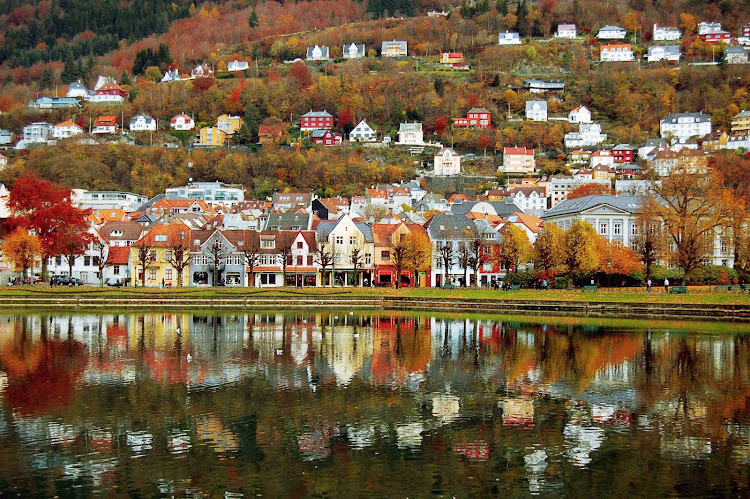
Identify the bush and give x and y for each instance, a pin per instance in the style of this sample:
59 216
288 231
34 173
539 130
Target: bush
525 279
714 274
561 282
659 273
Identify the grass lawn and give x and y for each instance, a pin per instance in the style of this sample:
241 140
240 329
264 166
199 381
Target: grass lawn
696 295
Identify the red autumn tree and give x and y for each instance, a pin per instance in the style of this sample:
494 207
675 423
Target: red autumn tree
45 207
301 74
590 190
441 125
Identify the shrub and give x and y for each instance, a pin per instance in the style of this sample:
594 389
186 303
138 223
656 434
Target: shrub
561 282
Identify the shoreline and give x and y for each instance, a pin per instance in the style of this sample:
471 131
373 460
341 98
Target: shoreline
629 309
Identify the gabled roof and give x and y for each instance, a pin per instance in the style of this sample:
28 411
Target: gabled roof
287 221
106 120
317 114
67 123
131 231
172 233
450 226
118 255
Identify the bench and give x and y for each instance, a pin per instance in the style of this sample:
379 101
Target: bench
590 287
449 286
678 290
730 287
515 287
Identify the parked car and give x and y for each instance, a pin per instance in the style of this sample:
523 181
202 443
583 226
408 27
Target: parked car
114 281
64 280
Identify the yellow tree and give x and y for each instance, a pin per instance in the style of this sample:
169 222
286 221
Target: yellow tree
692 207
515 247
549 248
581 255
687 22
22 249
419 252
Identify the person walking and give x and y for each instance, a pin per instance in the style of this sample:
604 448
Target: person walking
648 286
666 285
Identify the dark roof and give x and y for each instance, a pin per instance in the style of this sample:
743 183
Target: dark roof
451 226
630 204
286 221
503 208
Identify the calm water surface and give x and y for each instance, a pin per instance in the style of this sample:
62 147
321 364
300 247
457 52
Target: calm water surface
346 405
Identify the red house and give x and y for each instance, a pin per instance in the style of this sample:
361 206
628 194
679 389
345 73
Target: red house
477 117
745 30
316 120
112 89
719 36
623 153
327 138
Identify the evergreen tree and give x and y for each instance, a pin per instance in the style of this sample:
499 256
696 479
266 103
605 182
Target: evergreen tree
253 21
46 80
252 120
502 7
522 24
125 79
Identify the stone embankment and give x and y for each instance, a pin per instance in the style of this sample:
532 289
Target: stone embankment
385 303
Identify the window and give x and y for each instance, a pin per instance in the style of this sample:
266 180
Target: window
309 260
617 229
116 270
152 255
267 243
339 240
168 255
299 245
197 260
603 228
86 261
299 260
724 245
385 255
168 274
152 274
160 238
368 259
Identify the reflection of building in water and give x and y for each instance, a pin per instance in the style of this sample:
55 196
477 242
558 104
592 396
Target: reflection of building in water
220 439
684 447
535 465
179 442
517 411
360 436
401 351
345 350
139 441
473 451
446 408
3 382
158 331
409 435
316 443
582 441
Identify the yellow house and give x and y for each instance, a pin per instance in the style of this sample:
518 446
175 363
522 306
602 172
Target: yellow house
159 250
600 172
211 137
741 122
228 124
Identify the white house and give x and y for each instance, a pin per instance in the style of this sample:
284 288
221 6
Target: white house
77 89
685 125
602 157
589 134
353 51
201 70
6 137
735 55
616 52
171 75
447 162
536 110
394 48
363 133
352 243
37 133
579 115
3 161
611 33
237 65
317 53
66 129
658 53
566 31
410 133
509 38
531 199
142 123
666 33
182 122
706 28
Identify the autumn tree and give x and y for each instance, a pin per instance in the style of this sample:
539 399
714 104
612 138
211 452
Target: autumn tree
581 256
45 207
357 255
447 255
284 241
420 252
399 254
179 247
691 207
74 244
102 257
301 74
591 189
374 213
216 257
22 249
514 249
616 259
474 245
463 258
549 248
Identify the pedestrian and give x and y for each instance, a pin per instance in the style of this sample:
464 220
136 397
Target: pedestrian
648 286
544 284
666 285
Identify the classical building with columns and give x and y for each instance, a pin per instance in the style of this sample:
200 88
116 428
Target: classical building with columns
613 217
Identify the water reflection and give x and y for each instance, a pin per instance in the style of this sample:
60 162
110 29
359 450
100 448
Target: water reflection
363 404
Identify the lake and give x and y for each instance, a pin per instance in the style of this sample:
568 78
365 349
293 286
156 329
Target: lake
371 404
